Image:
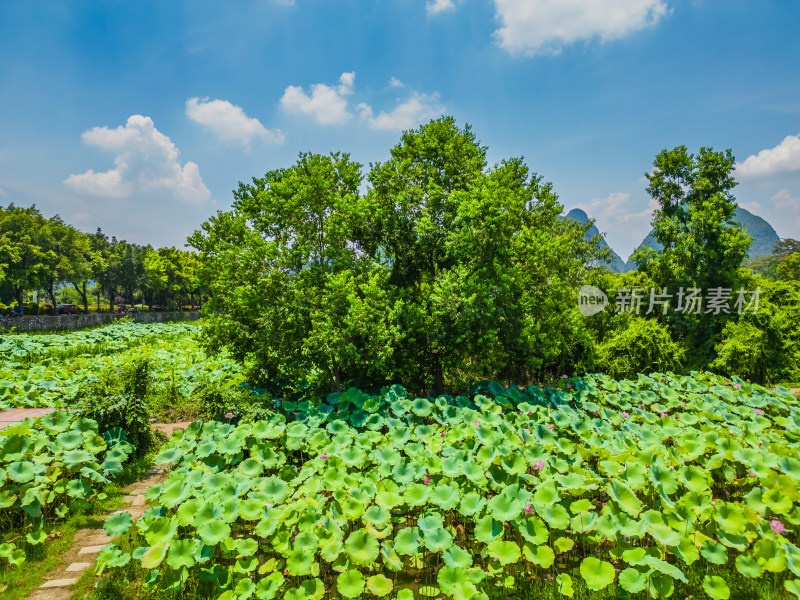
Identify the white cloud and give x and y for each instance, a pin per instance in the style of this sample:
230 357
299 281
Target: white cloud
146 163
544 26
783 158
395 82
434 7
229 122
406 115
625 225
326 104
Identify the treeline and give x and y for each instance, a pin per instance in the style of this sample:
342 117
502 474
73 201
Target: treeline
43 254
447 271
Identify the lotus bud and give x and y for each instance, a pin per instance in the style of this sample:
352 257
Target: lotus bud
530 412
758 412
324 456
475 423
625 414
427 480
595 412
529 509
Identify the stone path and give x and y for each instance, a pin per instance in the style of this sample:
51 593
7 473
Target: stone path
88 543
15 415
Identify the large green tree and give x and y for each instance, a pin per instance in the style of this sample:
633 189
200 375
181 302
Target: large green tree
703 247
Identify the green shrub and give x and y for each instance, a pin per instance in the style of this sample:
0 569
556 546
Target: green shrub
642 347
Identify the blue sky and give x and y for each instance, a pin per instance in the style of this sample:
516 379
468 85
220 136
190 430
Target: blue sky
141 117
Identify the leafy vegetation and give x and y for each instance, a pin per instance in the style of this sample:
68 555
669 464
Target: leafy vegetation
49 468
602 483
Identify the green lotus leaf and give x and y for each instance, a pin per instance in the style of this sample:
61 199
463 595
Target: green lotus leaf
457 557
503 507
539 555
488 529
416 494
21 472
405 594
564 582
445 497
376 515
380 585
714 552
247 546
624 497
36 537
154 555
663 566
505 552
777 501
350 584
546 494
664 534
183 553
429 591
408 541
770 555
213 531
633 581
748 566
532 529
716 588
437 539
300 562
597 573
730 517
556 516
169 456
792 586
118 523
362 547
448 577
562 544
268 587
70 440
465 590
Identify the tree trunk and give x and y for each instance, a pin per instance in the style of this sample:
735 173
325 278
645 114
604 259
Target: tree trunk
82 292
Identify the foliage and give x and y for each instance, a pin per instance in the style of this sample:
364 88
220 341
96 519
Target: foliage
58 370
444 271
765 345
49 468
464 495
643 346
702 246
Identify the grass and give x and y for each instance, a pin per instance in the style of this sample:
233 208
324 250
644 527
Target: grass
16 583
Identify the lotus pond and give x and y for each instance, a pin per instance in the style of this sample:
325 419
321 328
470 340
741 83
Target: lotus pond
629 487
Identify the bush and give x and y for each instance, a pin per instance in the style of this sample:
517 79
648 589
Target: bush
121 402
643 346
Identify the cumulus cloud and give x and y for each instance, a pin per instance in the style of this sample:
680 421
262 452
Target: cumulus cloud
406 115
783 158
395 82
146 162
326 104
544 26
229 122
434 7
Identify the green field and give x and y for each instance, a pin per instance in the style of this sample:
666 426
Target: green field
590 488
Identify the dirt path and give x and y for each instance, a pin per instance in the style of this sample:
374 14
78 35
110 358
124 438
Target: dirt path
88 543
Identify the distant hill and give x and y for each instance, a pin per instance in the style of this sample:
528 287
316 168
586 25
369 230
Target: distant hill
764 236
617 265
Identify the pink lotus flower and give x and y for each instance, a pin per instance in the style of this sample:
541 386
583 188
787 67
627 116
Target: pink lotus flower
758 412
528 431
529 509
324 456
550 426
426 480
737 386
475 423
530 412
751 474
443 434
664 415
727 382
625 414
683 404
777 527
229 415
565 377
569 386
595 412
641 406
538 466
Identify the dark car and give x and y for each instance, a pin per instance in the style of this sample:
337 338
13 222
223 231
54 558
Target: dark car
68 309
